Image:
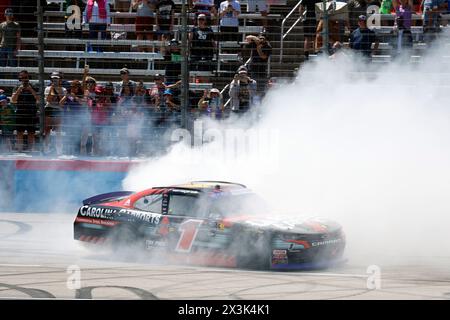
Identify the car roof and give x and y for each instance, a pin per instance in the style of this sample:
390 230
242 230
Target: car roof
206 186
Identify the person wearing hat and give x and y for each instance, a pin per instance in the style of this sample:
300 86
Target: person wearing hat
169 101
10 40
242 91
203 44
126 88
54 95
7 123
362 38
211 104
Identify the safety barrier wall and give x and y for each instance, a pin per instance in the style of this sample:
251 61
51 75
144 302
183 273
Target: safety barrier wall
39 185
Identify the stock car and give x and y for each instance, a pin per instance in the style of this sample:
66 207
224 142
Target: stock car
212 223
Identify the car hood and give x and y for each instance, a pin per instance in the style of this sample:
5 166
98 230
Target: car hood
289 224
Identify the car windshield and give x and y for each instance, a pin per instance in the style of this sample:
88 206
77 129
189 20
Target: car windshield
238 204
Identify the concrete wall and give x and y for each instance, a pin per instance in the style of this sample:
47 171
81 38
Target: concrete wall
38 185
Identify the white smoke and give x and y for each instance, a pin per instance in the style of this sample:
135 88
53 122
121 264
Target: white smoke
368 149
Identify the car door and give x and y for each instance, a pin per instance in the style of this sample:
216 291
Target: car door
189 229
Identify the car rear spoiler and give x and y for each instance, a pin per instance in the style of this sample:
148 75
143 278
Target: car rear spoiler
106 197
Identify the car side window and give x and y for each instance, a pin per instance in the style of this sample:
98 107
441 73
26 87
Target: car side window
183 205
151 203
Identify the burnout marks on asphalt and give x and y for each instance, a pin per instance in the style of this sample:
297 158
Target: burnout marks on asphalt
9 228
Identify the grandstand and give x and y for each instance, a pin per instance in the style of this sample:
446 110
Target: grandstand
69 52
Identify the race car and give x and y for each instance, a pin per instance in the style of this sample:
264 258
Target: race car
211 223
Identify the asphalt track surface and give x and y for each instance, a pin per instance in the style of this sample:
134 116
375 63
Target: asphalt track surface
36 251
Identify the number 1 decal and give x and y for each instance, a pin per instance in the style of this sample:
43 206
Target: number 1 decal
189 230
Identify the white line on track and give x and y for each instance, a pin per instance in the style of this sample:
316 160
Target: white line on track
19 265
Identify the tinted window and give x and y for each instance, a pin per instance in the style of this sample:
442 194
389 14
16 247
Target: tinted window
183 205
151 203
242 204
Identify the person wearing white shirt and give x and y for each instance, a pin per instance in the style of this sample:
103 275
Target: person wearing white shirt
229 23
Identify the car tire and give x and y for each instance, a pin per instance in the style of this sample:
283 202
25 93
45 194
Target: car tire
253 251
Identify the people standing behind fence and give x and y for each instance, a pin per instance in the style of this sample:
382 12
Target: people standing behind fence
309 25
145 20
126 88
54 94
242 91
403 22
25 98
203 45
165 15
260 51
90 97
361 39
76 118
10 40
98 16
229 23
7 123
211 104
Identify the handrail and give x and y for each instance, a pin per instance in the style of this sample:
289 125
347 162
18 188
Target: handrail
282 35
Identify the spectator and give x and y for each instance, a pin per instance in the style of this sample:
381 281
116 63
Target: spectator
205 7
165 14
242 91
54 95
356 8
101 112
229 22
386 7
211 104
169 102
172 58
25 99
431 14
362 38
90 97
156 92
262 8
7 122
309 25
126 87
98 16
259 60
145 19
76 118
10 44
403 21
203 44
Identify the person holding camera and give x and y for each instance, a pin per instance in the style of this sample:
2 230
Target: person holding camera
259 59
25 98
242 91
229 22
54 95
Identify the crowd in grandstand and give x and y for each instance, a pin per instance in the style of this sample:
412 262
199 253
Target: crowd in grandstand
83 116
